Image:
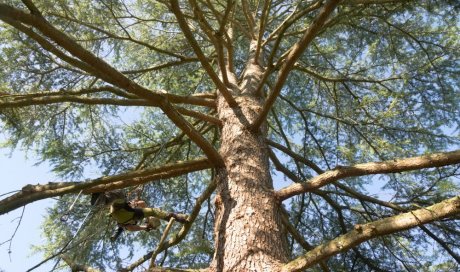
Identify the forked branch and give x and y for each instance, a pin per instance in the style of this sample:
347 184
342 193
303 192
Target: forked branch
199 53
102 69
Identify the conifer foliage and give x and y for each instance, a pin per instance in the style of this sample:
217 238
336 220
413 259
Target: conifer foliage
267 135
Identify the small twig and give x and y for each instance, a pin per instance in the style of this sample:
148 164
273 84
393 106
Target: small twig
14 233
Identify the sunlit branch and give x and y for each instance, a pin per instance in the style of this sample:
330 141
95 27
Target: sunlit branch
391 166
364 232
31 193
289 21
366 198
216 37
203 21
335 206
162 239
294 53
196 48
110 74
45 44
54 99
199 99
25 101
249 18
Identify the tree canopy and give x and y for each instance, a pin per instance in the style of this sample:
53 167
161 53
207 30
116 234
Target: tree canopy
355 103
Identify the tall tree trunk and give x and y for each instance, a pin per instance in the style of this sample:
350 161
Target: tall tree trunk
249 234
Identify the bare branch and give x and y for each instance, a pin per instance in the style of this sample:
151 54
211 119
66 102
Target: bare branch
294 53
392 166
15 231
362 233
31 193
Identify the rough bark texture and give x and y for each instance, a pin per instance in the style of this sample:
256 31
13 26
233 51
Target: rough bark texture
249 232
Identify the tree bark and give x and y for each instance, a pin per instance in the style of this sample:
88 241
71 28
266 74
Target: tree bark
249 233
385 226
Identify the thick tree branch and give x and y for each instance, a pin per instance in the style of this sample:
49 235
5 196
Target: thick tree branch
48 46
199 99
393 166
362 233
61 98
110 74
294 53
358 196
25 101
31 193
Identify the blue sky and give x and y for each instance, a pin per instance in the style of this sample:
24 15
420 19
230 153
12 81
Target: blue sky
17 172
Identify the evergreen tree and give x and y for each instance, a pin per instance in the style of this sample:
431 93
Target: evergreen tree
286 135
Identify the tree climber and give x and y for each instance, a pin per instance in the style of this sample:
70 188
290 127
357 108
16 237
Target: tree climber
128 215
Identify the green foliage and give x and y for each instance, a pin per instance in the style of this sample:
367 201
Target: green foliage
379 82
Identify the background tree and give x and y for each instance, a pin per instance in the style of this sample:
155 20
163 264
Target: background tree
183 102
